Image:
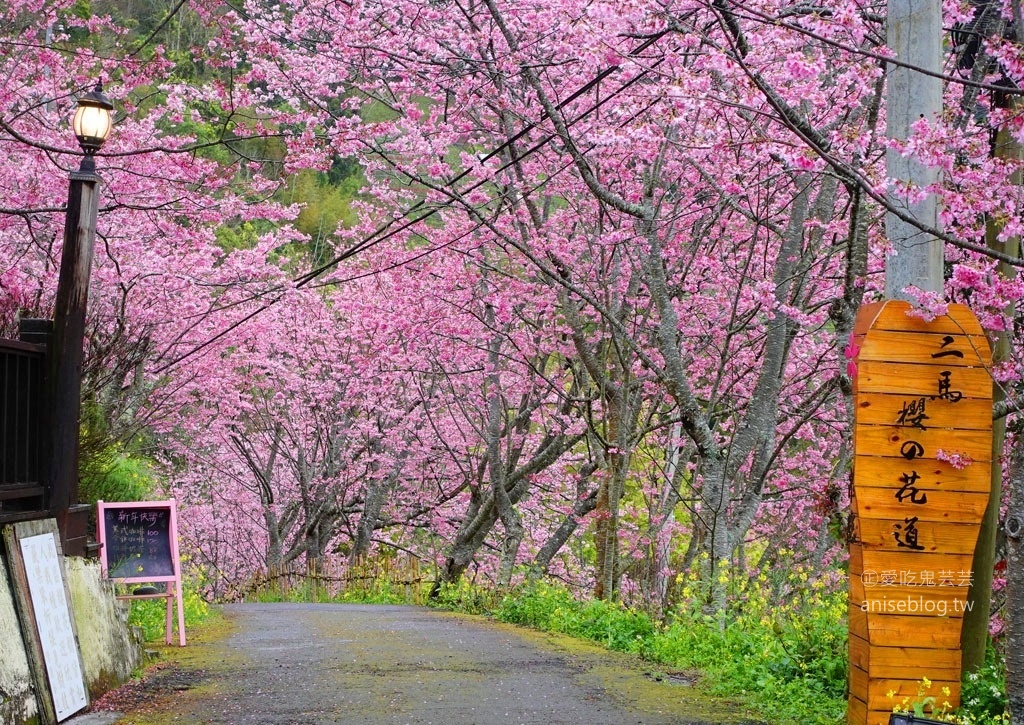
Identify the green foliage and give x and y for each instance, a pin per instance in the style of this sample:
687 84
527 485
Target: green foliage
554 609
182 29
82 9
306 591
326 200
983 698
244 235
221 134
108 470
151 614
377 112
787 661
117 476
983 695
372 582
383 593
464 597
310 591
326 203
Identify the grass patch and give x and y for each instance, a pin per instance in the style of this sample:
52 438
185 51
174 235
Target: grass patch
787 670
786 662
150 615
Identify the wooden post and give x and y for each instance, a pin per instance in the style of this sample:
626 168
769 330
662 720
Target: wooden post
915 36
65 379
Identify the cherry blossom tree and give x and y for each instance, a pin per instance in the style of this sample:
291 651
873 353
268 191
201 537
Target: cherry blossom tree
596 287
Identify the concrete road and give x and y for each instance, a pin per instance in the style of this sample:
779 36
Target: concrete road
377 665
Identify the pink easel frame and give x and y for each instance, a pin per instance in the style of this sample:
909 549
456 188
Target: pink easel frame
174 578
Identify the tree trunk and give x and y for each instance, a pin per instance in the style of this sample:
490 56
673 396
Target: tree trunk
478 523
605 535
514 533
275 548
374 498
621 425
566 529
666 510
974 637
263 473
373 501
1014 636
714 516
470 537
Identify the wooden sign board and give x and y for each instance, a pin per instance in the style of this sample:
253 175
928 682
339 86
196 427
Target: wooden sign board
53 618
921 479
139 544
44 608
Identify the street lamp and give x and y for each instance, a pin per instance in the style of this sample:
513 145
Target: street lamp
91 124
92 121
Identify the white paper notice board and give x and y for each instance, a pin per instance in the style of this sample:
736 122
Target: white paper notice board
35 565
53 619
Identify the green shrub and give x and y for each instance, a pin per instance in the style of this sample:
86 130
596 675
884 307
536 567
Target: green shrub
540 606
983 695
151 614
464 597
381 593
554 609
116 477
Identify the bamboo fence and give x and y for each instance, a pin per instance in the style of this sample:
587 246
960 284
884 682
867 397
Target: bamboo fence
328 579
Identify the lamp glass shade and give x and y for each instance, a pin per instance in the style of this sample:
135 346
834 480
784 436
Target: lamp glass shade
92 125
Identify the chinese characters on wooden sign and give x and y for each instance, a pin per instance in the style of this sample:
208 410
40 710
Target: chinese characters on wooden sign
921 479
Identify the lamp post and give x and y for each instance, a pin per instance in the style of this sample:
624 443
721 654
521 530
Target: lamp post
91 124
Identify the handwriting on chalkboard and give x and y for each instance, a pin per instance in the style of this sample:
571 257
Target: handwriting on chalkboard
137 542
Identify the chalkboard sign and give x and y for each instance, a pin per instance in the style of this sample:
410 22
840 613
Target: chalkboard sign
139 543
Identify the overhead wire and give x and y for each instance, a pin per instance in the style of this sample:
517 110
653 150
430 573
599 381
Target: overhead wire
385 231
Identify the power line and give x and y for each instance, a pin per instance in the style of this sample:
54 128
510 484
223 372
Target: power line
385 231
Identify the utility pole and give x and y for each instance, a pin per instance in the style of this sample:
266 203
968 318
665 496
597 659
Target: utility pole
915 36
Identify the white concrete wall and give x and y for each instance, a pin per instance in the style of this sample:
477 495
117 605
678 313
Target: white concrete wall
110 649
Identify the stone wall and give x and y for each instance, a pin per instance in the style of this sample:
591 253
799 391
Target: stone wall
110 649
17 699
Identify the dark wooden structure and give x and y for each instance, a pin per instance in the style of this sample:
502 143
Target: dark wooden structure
26 446
42 371
23 490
